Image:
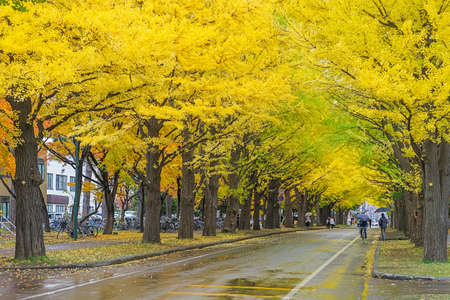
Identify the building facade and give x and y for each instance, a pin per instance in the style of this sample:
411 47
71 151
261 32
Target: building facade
60 186
8 203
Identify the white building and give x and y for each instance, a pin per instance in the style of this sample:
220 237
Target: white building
60 194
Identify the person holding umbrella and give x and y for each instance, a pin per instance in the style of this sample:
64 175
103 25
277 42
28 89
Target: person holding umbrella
362 224
382 210
383 222
308 219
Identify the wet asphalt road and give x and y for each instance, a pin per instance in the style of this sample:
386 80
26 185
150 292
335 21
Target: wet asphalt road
254 270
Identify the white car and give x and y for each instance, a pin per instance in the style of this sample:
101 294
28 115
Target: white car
130 214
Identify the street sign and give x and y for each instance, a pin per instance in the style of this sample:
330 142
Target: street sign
280 195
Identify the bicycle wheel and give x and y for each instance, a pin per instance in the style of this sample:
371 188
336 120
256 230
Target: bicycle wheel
83 231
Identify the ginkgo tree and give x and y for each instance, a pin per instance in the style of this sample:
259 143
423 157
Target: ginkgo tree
387 61
197 61
51 62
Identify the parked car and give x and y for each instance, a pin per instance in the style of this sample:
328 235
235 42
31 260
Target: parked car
130 213
52 216
97 217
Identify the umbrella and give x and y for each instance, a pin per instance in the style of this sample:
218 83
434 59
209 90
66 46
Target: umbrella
362 217
382 209
308 214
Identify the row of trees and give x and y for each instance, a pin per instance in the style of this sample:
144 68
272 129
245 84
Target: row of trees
386 63
135 86
215 98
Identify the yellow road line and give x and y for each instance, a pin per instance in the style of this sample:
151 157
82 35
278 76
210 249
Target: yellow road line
240 287
222 294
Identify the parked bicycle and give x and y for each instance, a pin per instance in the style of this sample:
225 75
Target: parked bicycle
89 229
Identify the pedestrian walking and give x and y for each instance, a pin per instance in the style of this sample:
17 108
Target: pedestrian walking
363 228
370 223
328 223
363 222
308 221
332 222
383 222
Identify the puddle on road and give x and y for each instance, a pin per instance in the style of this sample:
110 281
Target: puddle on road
241 282
238 288
276 271
275 283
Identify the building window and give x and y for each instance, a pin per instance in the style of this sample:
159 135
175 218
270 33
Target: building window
49 181
4 206
72 186
41 168
60 209
49 208
61 182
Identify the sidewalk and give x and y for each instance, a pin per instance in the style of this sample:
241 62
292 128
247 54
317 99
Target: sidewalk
398 259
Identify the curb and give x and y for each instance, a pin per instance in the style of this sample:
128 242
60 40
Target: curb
125 259
390 276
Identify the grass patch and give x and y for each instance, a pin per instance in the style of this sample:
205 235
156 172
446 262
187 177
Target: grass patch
41 260
402 257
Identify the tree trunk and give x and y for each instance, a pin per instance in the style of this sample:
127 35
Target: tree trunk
211 190
419 220
403 204
301 199
122 213
153 200
29 233
141 206
325 212
396 214
45 214
163 198
230 222
410 216
244 218
186 228
404 213
288 216
276 214
436 193
168 205
178 196
110 191
79 162
416 224
339 217
256 209
318 215
272 205
109 205
264 210
400 213
152 226
87 194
